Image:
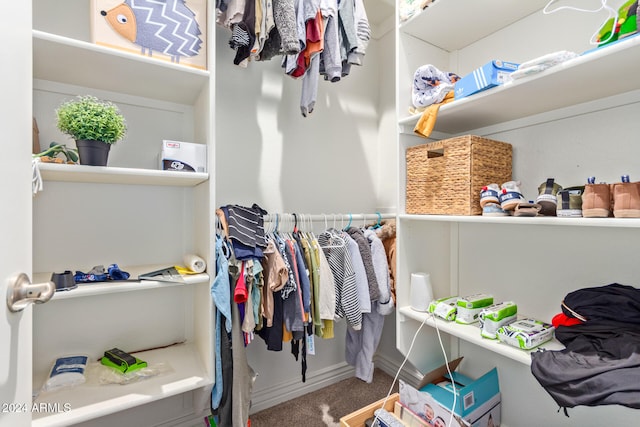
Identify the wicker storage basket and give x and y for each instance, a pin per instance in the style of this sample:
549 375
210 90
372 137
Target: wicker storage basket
445 177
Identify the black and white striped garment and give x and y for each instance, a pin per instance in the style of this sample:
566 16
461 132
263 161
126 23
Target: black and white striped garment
239 37
246 225
347 302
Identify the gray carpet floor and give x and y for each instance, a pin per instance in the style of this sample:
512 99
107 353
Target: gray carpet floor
341 398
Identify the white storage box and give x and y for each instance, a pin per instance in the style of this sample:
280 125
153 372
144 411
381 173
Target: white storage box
183 156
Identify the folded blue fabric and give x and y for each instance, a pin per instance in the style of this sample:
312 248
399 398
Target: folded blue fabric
98 274
116 274
81 277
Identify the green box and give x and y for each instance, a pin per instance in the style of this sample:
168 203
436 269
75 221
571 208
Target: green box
122 361
496 315
469 307
444 307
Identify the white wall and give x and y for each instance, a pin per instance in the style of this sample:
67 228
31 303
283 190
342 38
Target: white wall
268 153
536 35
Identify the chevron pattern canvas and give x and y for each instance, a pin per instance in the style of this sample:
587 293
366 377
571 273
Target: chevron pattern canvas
168 30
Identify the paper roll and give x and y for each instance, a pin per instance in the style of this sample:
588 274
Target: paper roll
194 263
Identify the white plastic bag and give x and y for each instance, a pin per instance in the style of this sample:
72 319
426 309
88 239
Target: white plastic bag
67 371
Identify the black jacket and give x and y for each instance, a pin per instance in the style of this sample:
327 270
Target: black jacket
601 362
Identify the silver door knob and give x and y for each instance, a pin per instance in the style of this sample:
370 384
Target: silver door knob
21 293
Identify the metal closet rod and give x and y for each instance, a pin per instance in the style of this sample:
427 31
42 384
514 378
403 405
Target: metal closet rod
272 217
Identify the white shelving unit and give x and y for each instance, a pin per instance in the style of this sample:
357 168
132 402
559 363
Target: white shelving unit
529 221
91 289
471 334
67 60
561 125
557 88
116 175
127 213
179 371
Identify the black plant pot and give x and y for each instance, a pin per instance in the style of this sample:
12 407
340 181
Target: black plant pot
93 153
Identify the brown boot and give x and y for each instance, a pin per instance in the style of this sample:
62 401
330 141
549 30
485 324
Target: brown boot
596 201
626 200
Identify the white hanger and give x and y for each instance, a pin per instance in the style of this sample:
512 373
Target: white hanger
334 235
612 13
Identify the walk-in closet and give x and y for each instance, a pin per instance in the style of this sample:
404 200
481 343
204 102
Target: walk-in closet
338 164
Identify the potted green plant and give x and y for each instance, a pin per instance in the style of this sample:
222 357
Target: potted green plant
95 124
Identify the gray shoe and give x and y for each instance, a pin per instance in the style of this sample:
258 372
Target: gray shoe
547 197
570 202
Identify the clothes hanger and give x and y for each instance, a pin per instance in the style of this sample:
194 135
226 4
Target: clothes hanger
295 223
349 223
612 14
289 227
377 224
276 228
311 232
284 232
547 11
334 235
307 227
303 225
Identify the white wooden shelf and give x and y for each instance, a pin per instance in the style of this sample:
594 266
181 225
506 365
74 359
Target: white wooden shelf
100 288
91 400
65 60
541 220
115 175
471 333
434 24
566 85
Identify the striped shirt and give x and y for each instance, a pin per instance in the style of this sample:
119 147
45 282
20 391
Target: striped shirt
347 302
246 225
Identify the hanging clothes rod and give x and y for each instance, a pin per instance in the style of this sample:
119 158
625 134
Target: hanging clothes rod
272 217
292 220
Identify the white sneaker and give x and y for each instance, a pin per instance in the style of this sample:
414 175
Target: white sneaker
511 195
489 194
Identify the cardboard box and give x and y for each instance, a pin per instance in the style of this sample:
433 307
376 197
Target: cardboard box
135 30
358 418
408 417
491 74
183 156
477 402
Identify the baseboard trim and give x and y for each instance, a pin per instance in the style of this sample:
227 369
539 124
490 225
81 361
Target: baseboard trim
291 389
409 375
187 421
288 390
